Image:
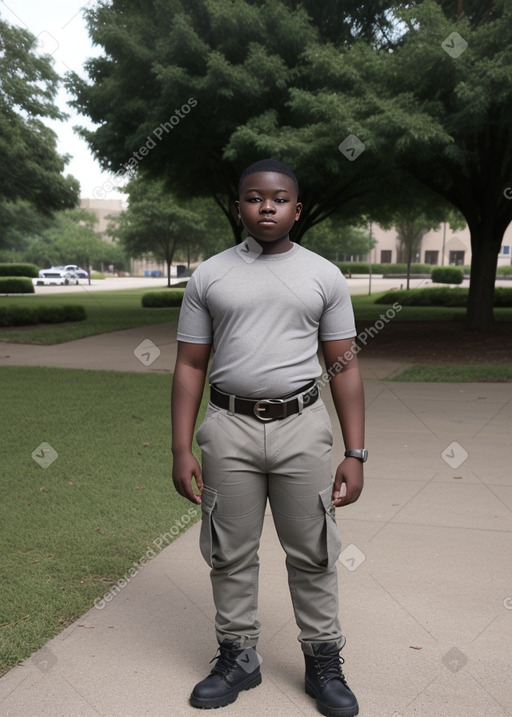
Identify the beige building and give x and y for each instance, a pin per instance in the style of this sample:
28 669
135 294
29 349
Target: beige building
105 209
442 247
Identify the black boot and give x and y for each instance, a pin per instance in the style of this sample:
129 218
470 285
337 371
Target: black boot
326 683
236 670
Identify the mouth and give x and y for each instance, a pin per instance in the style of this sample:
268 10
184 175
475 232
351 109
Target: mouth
266 221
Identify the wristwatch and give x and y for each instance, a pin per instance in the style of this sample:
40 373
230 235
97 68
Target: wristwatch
360 453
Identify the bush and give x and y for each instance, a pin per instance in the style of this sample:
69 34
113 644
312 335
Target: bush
447 275
30 315
352 267
504 271
16 285
441 296
162 299
19 270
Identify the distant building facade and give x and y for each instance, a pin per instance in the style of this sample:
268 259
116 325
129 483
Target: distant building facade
442 247
106 210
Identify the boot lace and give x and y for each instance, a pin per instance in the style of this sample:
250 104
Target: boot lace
329 668
226 661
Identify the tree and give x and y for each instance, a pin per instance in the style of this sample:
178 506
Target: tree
398 98
337 241
70 239
31 168
225 78
444 112
156 223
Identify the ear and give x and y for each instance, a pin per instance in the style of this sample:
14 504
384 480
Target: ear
298 210
237 209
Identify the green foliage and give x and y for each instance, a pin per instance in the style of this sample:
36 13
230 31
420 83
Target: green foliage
447 275
441 296
16 285
349 267
70 238
156 223
19 270
504 271
162 299
31 168
31 315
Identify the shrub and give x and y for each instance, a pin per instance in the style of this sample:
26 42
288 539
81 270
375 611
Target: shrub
447 275
162 299
504 271
349 267
16 285
30 315
19 270
441 296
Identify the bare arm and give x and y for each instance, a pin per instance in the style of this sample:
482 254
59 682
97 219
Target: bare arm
186 394
348 396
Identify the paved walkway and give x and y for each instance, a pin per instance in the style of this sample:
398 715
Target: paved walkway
425 576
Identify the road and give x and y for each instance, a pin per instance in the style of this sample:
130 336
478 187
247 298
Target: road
357 284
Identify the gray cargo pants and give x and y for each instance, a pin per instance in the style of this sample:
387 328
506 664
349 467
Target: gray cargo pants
245 462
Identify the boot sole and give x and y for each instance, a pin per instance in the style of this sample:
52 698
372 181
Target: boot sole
227 699
331 711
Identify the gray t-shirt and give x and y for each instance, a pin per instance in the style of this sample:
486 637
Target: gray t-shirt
264 314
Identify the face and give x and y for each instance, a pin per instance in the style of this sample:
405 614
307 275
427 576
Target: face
268 209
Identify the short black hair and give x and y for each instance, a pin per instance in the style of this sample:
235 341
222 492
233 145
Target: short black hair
269 165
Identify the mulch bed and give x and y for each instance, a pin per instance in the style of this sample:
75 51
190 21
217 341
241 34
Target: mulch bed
443 342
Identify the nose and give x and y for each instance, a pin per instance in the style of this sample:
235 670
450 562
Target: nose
267 207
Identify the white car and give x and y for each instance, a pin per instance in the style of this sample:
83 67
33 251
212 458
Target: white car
56 277
81 273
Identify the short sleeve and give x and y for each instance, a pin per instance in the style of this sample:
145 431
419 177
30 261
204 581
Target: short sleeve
337 320
195 322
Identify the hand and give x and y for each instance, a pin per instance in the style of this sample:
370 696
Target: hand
348 482
186 469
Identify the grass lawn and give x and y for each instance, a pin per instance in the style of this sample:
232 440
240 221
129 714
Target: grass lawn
72 528
479 373
106 311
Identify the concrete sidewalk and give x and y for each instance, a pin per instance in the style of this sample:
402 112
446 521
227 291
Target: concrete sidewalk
425 577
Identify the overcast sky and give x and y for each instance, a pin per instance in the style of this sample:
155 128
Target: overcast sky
61 30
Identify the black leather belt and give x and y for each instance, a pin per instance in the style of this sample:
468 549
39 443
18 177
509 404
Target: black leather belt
266 409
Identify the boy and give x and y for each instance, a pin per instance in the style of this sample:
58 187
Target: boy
263 306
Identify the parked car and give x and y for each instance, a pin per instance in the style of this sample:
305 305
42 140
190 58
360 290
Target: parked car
81 273
56 277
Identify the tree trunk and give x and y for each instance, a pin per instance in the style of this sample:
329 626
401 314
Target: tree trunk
484 260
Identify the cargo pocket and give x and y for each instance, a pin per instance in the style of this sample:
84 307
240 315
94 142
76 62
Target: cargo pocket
331 534
206 539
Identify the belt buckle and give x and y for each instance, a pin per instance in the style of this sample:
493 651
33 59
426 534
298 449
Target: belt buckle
258 407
